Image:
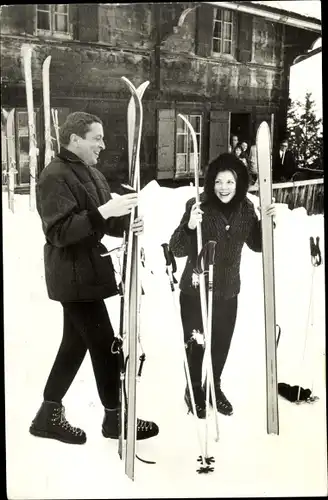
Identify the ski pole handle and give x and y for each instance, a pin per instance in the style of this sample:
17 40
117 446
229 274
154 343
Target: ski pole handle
315 251
207 254
169 257
167 254
211 252
199 262
142 360
171 265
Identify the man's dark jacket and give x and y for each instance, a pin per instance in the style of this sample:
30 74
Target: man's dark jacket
283 172
68 196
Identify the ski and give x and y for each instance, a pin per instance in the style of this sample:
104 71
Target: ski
207 369
49 153
54 114
9 119
132 284
26 53
263 148
11 157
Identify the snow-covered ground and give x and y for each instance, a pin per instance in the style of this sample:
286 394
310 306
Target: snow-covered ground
248 461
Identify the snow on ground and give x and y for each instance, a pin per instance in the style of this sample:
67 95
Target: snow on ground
248 461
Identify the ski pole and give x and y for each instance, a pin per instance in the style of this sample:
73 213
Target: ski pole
171 268
208 345
315 261
207 254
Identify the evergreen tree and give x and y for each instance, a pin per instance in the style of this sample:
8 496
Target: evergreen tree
305 133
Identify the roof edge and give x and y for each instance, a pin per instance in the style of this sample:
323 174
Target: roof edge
273 14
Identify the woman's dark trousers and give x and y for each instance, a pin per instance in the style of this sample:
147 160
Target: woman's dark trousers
223 324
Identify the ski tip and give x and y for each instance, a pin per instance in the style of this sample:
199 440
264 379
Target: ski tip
129 84
26 50
4 113
46 62
263 129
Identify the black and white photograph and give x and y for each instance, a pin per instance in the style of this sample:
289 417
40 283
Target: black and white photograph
163 250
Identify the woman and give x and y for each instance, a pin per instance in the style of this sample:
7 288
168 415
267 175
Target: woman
228 217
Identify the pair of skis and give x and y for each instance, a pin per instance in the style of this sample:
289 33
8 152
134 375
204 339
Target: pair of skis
26 54
49 113
132 289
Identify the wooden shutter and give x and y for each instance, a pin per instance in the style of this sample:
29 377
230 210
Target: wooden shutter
219 133
88 18
30 19
245 36
73 20
165 143
204 30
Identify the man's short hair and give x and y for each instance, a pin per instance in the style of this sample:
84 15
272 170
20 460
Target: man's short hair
76 123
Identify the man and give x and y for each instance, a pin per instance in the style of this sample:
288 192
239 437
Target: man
252 164
76 210
233 143
284 165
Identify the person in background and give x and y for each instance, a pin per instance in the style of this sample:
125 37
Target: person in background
233 143
244 149
284 166
252 165
238 152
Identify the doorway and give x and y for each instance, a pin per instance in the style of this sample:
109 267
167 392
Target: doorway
241 126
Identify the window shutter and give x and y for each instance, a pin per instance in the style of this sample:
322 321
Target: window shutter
73 20
88 22
219 133
245 37
204 30
30 18
166 143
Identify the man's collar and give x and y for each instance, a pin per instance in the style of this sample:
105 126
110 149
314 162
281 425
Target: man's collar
67 155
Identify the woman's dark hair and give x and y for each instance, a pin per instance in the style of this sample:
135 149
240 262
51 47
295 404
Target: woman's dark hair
76 123
226 161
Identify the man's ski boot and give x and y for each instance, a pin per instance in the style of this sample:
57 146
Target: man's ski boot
199 397
110 426
50 422
222 404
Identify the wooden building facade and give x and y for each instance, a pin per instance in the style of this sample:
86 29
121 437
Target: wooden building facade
223 64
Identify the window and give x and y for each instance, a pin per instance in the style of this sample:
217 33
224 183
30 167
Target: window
222 31
184 145
22 143
53 19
